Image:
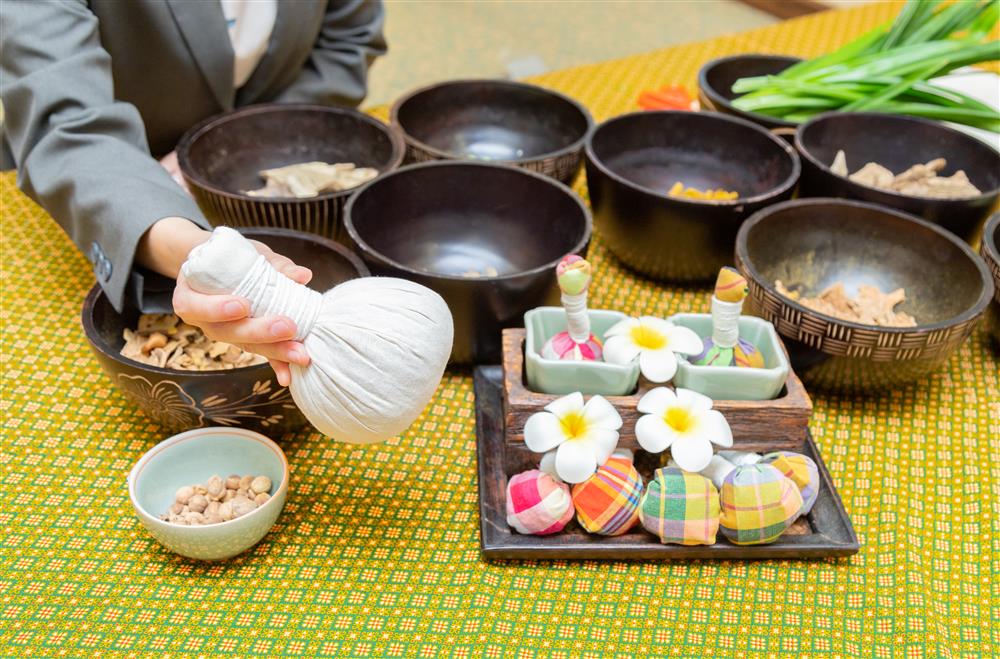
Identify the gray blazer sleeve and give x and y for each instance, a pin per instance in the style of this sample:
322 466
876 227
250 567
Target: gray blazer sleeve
82 155
349 41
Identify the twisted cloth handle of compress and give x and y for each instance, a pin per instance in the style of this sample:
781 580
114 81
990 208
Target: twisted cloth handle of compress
228 263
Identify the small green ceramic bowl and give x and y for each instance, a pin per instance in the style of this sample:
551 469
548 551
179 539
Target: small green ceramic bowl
550 376
732 382
193 457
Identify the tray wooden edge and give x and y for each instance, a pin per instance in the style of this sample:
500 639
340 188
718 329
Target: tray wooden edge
833 534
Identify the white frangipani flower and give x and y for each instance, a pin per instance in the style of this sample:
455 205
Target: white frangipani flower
581 436
654 341
685 423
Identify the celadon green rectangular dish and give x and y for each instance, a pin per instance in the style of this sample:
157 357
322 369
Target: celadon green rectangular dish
551 376
733 382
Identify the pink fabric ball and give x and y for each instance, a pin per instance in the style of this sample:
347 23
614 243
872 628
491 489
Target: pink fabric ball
538 504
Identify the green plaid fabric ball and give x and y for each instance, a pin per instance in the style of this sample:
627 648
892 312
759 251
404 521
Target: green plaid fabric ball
758 504
680 507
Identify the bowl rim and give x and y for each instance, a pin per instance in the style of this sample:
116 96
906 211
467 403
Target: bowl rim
98 343
717 99
891 195
977 309
369 251
783 187
136 472
202 127
575 146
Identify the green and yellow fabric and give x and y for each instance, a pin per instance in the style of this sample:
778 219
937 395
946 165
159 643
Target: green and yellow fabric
377 551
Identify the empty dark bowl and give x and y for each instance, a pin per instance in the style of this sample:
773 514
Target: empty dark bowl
432 222
897 143
716 78
632 162
990 251
247 397
499 121
222 156
810 244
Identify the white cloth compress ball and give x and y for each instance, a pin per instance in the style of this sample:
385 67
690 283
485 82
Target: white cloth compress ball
378 346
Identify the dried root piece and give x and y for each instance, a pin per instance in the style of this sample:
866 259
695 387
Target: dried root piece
871 307
920 180
163 340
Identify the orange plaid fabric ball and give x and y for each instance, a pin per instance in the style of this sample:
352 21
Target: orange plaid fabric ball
607 503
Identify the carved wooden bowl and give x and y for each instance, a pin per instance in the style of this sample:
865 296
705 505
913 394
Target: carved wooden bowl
813 243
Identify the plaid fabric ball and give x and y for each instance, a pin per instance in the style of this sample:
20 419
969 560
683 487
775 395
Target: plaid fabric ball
681 507
537 504
607 503
803 472
758 504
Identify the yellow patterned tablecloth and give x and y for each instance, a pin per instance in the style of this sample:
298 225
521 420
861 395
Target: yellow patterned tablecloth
377 554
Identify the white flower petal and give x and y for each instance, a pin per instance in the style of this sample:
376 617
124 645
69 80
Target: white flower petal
575 462
656 401
716 428
694 400
543 432
684 340
570 403
620 350
602 414
547 465
602 442
691 453
657 365
653 433
661 325
622 327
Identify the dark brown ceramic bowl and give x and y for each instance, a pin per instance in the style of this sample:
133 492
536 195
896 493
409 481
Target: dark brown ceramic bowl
431 222
221 157
633 161
989 249
716 78
897 143
499 121
810 244
246 397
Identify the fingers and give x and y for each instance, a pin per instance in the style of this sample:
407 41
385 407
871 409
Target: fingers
282 372
285 351
198 309
284 265
270 329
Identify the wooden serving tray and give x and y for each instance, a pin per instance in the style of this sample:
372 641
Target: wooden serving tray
825 531
779 424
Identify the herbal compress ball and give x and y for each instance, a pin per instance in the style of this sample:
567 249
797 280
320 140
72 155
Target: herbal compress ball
607 503
537 504
681 507
378 345
801 470
758 504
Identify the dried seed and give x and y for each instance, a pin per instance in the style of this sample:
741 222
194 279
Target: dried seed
261 484
242 506
198 503
216 487
261 498
245 482
212 508
226 511
176 508
183 494
229 495
232 481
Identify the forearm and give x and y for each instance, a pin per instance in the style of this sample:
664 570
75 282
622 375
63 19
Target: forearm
165 246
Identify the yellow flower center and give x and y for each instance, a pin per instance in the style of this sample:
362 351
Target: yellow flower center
679 419
648 338
574 425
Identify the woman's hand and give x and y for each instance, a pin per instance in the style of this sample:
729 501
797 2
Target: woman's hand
224 317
